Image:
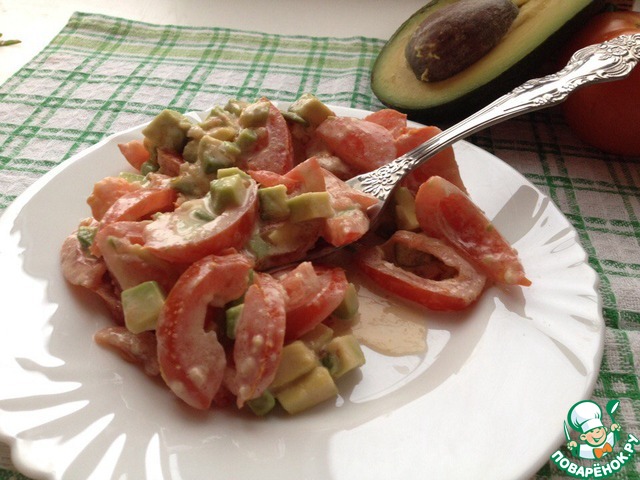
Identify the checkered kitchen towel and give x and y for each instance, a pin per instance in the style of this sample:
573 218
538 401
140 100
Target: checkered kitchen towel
101 75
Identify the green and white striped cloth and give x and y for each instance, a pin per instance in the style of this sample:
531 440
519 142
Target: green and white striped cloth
102 74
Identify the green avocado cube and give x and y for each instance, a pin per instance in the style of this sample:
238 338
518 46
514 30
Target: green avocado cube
141 306
168 130
309 206
227 192
343 354
214 154
227 172
405 210
262 404
246 139
349 305
311 109
317 338
232 314
255 115
273 202
313 388
296 360
86 235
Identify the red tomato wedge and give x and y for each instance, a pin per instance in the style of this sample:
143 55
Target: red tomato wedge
106 192
442 164
308 176
350 221
128 261
444 211
273 150
363 145
140 203
78 266
139 348
270 179
454 293
169 162
259 337
185 236
192 360
305 311
135 153
392 120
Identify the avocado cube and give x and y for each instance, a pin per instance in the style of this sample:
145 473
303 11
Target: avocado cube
142 305
313 388
86 235
232 314
255 115
349 305
296 360
168 130
227 192
227 172
311 109
317 338
343 354
309 206
213 156
273 202
246 139
405 210
262 404
285 235
132 177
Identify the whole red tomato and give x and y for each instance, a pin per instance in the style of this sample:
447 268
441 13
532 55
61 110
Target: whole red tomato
607 115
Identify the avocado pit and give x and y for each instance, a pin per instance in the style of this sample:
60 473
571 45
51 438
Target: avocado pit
456 36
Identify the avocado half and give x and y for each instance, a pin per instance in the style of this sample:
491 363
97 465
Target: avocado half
535 36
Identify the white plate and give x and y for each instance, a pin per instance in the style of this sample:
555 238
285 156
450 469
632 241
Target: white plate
487 399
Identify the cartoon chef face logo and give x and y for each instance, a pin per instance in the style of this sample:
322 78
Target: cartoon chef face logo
597 441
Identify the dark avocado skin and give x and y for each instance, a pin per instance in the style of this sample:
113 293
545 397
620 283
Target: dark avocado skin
538 63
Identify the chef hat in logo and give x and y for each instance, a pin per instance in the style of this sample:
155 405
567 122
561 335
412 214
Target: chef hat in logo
585 416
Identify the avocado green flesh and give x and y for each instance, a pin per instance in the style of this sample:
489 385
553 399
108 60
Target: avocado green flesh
540 26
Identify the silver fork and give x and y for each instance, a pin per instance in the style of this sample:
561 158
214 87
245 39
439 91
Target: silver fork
607 61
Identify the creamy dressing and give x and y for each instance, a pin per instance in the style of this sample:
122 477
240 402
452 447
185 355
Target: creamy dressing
385 323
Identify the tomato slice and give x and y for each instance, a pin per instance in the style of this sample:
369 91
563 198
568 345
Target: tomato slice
305 311
274 149
140 203
444 211
135 153
139 349
270 179
79 266
192 360
392 120
128 261
442 164
259 337
350 221
169 162
106 192
457 289
308 176
193 231
363 145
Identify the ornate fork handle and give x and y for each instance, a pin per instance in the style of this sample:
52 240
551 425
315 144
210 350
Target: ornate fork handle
603 62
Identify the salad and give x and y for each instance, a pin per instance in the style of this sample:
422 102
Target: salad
198 249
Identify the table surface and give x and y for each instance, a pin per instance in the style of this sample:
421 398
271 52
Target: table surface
36 22
532 146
